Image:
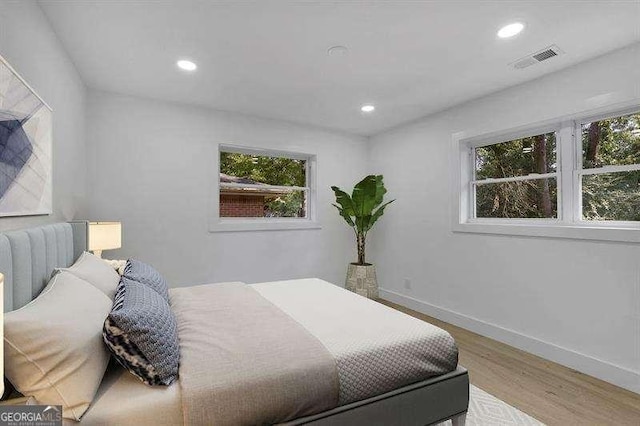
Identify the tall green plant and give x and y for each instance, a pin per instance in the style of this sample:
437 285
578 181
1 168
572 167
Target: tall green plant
362 209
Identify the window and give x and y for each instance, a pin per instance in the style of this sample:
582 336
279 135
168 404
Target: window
517 178
263 189
610 169
575 178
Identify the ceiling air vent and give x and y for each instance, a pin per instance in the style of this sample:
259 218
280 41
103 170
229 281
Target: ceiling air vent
537 57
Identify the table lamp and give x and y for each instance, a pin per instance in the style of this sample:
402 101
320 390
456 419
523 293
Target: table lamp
104 236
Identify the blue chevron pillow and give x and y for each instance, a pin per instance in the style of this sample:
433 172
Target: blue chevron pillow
147 275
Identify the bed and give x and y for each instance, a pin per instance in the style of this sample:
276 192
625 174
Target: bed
289 352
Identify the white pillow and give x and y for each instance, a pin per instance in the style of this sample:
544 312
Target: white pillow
96 272
117 265
53 346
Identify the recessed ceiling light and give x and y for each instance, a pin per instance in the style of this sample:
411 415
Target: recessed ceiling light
510 30
186 65
338 51
367 108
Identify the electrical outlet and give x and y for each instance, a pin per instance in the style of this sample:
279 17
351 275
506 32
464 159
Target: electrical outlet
407 283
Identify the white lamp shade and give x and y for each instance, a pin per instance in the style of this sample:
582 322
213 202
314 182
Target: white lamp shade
105 235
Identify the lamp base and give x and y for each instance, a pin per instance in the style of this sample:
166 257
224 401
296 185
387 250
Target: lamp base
98 253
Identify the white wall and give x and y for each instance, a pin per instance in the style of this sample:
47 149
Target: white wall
576 302
29 44
150 164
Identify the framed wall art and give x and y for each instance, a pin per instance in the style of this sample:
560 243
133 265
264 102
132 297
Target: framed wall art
25 147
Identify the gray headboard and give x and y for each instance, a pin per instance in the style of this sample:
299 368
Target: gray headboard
29 256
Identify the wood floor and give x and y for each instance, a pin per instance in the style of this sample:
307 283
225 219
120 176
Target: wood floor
551 393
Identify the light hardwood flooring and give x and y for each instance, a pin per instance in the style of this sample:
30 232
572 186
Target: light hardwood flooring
552 393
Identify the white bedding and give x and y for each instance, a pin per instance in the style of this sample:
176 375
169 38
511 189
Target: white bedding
123 399
376 348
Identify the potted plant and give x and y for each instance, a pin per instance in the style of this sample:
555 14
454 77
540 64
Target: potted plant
361 210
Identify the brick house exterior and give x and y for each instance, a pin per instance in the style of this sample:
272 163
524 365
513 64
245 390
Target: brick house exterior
240 202
241 205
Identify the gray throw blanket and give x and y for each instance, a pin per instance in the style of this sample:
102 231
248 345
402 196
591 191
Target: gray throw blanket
244 361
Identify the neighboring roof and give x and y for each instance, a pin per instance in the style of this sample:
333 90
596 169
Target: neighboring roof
234 179
267 191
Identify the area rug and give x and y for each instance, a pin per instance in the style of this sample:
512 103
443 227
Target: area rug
487 410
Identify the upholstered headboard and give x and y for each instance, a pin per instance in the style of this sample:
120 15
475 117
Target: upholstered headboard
29 256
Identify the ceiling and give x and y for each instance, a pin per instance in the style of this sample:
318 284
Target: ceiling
269 58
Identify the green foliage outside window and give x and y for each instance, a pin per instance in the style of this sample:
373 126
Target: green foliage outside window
270 170
288 205
611 142
535 198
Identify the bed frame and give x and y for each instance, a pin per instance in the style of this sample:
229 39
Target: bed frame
27 258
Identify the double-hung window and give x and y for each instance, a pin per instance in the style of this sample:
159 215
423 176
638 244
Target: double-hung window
570 178
260 189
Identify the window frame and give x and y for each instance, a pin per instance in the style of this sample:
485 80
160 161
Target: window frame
235 224
473 144
569 222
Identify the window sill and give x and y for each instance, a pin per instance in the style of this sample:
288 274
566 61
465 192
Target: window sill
547 230
242 225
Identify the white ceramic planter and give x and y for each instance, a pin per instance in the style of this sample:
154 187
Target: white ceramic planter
361 279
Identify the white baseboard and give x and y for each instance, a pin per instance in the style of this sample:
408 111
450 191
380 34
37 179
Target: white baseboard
600 369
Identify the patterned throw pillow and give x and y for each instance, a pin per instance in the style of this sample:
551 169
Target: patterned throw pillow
147 275
141 333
